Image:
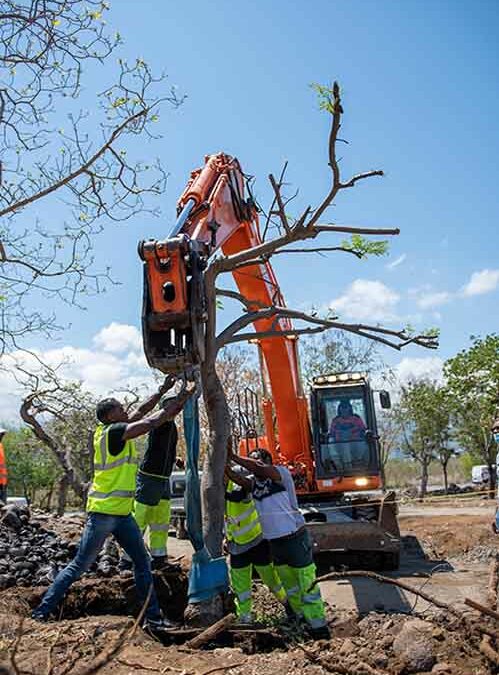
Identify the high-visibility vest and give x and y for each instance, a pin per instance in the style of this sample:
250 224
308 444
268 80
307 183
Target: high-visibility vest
3 466
242 523
113 486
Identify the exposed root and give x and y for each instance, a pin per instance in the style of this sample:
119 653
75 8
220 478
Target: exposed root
488 651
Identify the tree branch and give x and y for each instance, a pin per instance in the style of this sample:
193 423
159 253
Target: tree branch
81 169
320 249
234 295
278 197
391 231
377 333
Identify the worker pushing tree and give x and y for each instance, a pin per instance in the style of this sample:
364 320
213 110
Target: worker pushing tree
283 525
111 498
247 546
152 498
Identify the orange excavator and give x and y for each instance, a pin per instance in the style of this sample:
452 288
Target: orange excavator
333 453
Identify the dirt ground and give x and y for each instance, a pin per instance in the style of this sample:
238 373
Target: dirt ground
376 628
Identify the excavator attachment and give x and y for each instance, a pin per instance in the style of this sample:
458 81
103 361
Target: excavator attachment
174 306
210 210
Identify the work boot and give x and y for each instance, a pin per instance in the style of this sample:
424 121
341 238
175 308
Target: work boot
244 621
319 633
157 628
40 616
289 611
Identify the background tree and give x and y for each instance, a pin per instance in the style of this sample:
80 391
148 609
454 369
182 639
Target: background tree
472 378
33 471
389 432
446 451
276 317
335 352
61 415
424 418
83 166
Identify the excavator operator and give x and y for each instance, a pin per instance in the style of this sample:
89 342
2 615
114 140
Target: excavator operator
346 426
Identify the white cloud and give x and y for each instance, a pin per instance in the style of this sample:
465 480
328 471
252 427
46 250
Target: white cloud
367 300
481 282
117 338
115 365
398 261
415 368
433 299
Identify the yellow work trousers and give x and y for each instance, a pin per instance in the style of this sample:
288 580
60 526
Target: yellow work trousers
156 521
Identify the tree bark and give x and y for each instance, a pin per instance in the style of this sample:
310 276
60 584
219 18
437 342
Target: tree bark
446 478
62 495
423 485
212 482
217 410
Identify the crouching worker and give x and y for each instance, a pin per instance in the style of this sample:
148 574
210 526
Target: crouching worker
110 502
246 545
283 525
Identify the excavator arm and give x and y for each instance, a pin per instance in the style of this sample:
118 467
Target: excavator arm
214 212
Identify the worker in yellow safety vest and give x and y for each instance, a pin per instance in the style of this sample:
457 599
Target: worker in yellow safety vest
110 502
3 469
247 549
152 497
283 525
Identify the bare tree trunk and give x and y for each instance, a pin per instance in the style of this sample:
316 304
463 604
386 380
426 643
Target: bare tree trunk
212 482
423 485
48 497
62 495
446 478
61 454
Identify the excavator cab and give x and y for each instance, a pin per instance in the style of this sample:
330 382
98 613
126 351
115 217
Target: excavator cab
344 432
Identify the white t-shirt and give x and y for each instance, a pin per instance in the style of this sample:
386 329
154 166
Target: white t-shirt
277 505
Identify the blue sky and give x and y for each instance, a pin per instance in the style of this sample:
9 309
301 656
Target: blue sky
421 93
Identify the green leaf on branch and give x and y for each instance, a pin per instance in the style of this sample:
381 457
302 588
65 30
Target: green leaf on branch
325 96
364 247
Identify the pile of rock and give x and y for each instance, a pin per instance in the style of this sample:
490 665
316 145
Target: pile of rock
480 554
31 555
404 643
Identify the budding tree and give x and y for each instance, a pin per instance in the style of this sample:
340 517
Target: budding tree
58 159
309 225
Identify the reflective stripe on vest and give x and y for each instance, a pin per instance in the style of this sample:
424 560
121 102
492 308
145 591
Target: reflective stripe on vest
114 493
242 522
235 520
117 462
113 486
